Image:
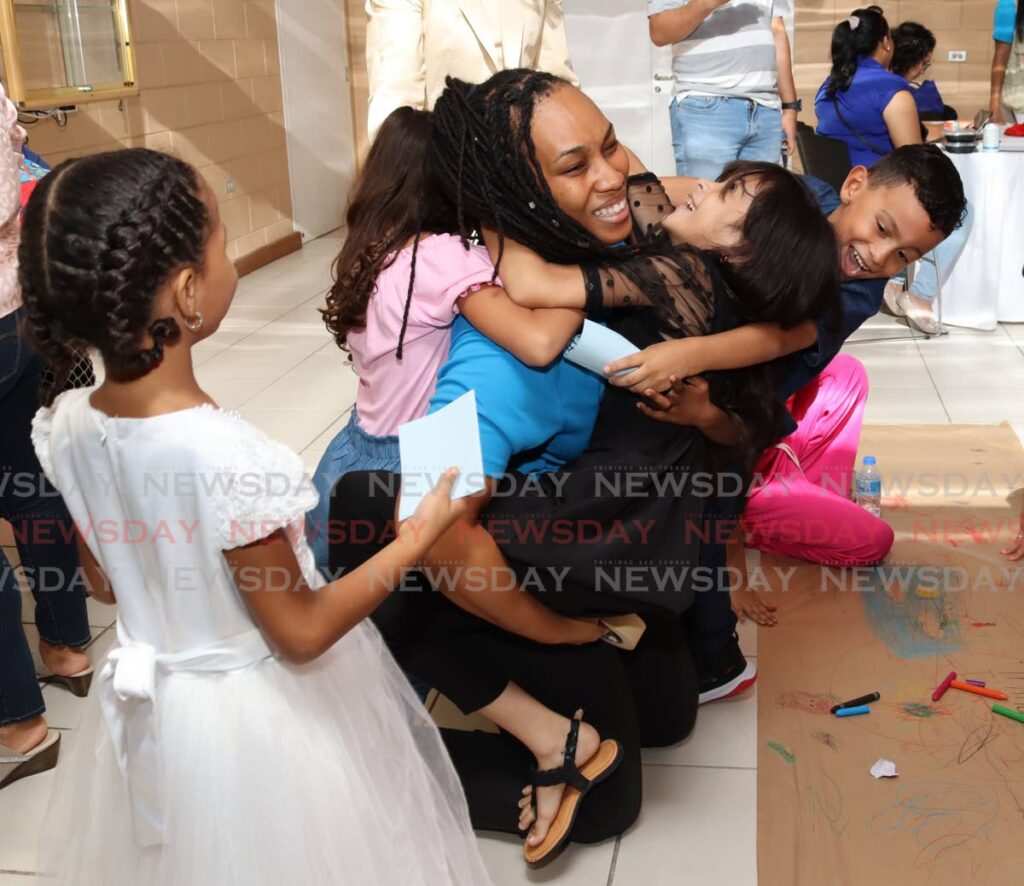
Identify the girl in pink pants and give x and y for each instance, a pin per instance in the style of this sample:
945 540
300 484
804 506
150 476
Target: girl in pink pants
800 503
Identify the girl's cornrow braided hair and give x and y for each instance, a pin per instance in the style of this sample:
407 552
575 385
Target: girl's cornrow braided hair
100 236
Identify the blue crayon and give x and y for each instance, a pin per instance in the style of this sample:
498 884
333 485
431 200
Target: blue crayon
853 712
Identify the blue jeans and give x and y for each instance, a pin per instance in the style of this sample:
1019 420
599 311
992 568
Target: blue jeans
42 530
933 269
709 131
352 449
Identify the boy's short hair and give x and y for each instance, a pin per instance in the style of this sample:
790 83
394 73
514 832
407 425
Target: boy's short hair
933 177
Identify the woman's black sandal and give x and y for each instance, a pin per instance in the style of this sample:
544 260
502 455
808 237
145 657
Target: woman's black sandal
578 783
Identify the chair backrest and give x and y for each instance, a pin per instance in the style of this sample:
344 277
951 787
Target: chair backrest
822 157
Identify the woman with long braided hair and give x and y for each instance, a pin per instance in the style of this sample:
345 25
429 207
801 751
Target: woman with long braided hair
534 160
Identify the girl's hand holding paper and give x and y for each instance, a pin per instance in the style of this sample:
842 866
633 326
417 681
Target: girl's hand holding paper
432 445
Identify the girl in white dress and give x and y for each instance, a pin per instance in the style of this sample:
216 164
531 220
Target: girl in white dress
249 727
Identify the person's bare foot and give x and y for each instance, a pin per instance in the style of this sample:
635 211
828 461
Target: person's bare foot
550 798
748 603
63 660
24 736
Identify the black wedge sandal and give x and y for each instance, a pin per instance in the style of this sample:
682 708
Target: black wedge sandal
578 782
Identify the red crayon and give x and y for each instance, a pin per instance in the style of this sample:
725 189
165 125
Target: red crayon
943 686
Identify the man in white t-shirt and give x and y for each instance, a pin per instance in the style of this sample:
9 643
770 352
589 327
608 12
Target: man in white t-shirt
734 96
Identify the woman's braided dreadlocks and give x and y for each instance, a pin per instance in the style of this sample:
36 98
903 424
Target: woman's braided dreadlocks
484 158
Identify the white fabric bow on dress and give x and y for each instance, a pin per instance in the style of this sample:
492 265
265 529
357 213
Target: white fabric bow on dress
127 686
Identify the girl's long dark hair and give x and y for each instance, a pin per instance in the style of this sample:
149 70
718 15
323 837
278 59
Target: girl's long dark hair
1018 25
852 43
396 199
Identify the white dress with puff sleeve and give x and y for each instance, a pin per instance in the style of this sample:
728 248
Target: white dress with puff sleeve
200 757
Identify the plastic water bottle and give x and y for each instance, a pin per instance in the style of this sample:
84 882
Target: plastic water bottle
869 486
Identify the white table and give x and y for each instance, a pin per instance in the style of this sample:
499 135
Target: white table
987 284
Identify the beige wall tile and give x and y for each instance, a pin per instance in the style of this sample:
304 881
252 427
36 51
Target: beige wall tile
229 19
272 56
195 19
165 109
277 136
259 18
183 63
247 173
115 120
155 141
221 55
256 132
225 141
249 60
252 242
274 166
236 217
190 145
155 20
236 97
204 104
280 229
934 16
284 201
977 14
267 94
149 65
263 209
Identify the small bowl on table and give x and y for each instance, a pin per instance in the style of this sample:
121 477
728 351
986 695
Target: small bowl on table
964 141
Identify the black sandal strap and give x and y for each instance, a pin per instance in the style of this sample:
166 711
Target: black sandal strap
568 773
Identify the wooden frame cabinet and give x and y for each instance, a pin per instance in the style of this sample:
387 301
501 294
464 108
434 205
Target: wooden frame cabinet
66 52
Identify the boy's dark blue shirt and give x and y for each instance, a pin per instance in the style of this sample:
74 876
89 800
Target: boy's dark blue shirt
860 299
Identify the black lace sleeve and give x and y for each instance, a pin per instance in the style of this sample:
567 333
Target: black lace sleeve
648 204
674 281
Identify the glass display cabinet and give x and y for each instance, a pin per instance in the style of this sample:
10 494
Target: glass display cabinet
66 52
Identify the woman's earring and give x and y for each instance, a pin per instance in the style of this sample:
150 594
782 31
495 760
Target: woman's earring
195 324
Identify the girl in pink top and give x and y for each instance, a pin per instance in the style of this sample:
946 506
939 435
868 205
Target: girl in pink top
400 280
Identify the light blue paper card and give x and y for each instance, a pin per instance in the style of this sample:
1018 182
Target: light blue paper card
430 445
596 346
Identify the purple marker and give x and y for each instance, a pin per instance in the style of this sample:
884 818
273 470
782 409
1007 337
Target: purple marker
980 683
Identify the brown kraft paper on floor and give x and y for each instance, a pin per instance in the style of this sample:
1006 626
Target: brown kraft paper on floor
945 600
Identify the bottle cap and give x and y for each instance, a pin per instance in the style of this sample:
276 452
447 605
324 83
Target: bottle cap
870 460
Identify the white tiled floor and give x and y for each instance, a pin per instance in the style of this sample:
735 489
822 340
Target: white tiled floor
274 361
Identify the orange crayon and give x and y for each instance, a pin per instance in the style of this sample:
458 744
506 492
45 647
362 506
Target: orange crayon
979 690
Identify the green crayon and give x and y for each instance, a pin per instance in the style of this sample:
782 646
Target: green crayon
1007 712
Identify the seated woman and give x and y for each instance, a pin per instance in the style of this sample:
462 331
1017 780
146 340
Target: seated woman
913 45
872 109
533 158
